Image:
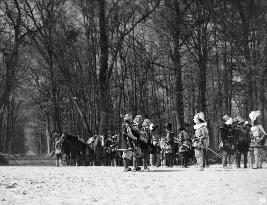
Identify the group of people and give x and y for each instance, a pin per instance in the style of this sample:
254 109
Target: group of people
239 137
137 144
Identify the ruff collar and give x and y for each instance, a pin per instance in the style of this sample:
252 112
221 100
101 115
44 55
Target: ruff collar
204 124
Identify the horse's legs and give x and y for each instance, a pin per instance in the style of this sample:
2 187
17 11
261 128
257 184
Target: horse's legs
78 162
84 157
67 159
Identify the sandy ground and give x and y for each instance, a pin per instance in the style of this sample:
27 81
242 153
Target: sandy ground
109 185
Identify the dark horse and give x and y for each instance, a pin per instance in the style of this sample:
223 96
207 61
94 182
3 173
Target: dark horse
74 149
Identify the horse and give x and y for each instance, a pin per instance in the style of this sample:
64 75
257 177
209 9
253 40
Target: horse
74 149
96 150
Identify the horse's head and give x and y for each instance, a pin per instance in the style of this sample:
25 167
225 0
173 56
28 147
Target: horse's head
98 141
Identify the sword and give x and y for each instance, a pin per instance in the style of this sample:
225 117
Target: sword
213 152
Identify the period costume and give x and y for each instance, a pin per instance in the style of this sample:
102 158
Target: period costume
126 142
258 135
243 144
111 145
156 142
58 149
226 139
184 147
200 140
135 131
167 143
145 141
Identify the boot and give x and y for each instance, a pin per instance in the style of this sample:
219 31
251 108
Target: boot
125 165
60 162
182 162
135 165
57 163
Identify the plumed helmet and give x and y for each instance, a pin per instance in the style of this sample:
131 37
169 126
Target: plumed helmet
253 115
146 123
200 116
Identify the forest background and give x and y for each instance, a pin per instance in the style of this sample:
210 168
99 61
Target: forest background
80 65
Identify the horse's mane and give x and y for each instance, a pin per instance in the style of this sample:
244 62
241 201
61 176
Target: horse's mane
98 141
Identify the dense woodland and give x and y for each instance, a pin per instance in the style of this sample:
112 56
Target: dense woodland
82 64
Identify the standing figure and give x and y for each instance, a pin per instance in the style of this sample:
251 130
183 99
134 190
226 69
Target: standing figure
145 140
243 143
135 131
184 146
111 149
257 138
176 149
167 146
200 138
126 142
156 142
58 149
225 135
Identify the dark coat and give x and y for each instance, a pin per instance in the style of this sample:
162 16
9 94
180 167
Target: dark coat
243 140
226 137
126 142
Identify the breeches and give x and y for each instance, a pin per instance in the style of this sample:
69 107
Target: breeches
59 156
200 157
258 153
127 154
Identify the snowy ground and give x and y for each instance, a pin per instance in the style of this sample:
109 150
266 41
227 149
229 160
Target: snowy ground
109 185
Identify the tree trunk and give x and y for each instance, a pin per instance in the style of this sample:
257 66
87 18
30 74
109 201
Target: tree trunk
178 69
202 84
263 92
47 133
103 73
